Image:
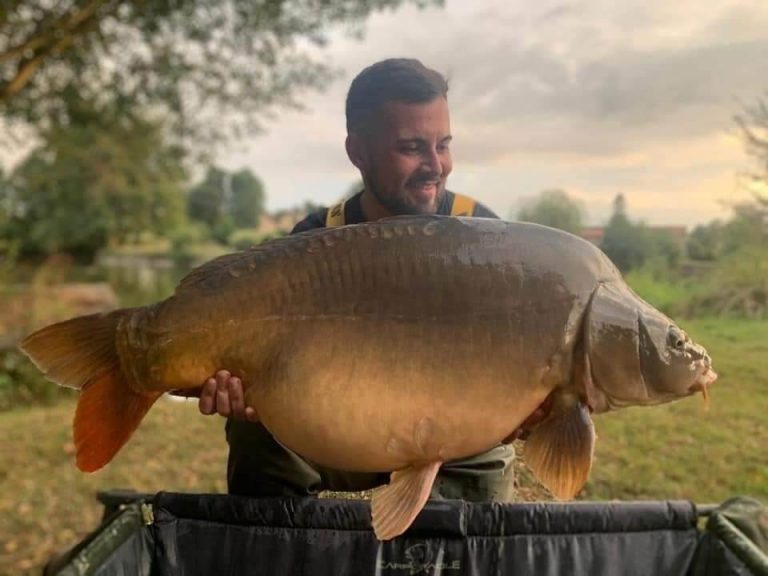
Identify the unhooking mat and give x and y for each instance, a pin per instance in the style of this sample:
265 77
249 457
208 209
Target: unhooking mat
191 534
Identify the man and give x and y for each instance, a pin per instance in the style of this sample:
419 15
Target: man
398 136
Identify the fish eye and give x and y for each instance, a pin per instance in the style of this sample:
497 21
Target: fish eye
676 338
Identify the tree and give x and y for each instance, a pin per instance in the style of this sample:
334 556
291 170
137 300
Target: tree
738 281
7 243
189 60
661 246
205 201
625 243
754 127
705 241
225 202
102 178
748 227
738 284
5 201
753 122
247 202
554 208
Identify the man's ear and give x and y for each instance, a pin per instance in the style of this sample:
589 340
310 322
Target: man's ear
356 151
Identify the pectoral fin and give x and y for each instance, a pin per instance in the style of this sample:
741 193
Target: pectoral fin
394 506
559 450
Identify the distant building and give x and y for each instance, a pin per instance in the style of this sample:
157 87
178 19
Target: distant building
281 221
594 234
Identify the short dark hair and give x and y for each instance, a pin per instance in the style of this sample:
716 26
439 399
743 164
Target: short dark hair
392 80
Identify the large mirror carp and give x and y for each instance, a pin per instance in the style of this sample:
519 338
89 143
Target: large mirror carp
390 346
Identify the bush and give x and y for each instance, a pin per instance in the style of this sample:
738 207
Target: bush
223 229
182 240
661 287
21 384
248 238
245 238
737 286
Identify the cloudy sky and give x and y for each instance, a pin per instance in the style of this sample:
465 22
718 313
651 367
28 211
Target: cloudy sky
595 97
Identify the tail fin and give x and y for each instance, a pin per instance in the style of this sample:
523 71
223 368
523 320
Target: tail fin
81 353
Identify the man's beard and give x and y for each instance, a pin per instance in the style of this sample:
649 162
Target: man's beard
402 205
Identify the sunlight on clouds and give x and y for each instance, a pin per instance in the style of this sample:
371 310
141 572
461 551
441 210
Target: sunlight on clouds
682 182
694 201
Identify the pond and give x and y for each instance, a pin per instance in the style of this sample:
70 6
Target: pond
140 282
32 297
136 281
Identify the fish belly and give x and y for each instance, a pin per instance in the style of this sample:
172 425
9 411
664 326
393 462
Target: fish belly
377 396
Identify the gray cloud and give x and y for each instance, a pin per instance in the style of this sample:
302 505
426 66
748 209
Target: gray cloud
552 94
662 94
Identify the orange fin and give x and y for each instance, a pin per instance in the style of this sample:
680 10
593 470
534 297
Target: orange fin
396 505
72 352
107 415
81 353
559 450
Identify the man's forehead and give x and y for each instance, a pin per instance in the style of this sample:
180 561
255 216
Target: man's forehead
407 119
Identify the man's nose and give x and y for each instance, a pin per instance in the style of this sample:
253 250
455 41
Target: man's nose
431 161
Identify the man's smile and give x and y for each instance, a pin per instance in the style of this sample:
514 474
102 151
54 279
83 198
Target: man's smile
426 188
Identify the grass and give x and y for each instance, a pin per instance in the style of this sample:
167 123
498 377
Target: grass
47 505
666 452
667 294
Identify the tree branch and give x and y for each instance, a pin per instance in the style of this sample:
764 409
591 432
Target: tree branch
77 24
67 23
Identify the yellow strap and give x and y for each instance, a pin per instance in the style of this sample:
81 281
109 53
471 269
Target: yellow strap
335 215
462 205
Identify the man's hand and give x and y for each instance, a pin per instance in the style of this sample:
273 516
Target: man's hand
223 395
524 430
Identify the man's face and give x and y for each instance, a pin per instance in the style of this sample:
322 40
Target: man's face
405 160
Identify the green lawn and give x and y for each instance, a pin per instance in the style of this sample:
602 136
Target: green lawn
673 451
47 505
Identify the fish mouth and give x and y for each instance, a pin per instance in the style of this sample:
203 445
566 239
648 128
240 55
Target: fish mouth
702 384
